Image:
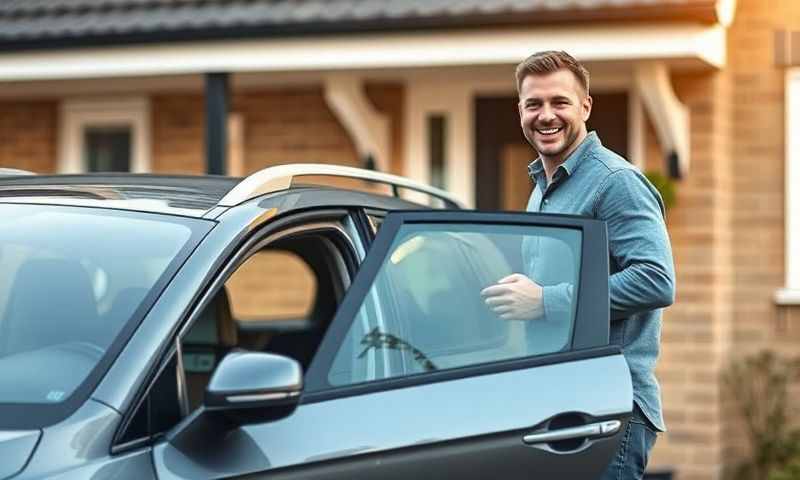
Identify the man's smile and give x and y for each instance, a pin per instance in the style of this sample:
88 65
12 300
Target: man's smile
549 131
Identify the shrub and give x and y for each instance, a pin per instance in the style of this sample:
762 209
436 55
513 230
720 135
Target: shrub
760 388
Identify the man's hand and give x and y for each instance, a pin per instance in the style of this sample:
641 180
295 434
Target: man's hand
515 297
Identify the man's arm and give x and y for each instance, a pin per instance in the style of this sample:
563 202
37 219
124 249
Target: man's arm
638 244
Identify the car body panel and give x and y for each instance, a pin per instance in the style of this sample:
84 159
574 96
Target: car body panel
78 448
16 447
508 405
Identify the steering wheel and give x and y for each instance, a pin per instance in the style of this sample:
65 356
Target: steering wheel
93 351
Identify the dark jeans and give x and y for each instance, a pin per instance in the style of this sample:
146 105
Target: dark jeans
631 458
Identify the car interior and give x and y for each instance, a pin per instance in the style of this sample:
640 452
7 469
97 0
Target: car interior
216 331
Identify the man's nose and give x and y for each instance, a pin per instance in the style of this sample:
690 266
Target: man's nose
546 114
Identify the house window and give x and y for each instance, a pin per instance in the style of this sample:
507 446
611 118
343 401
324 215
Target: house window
105 136
107 149
790 294
437 141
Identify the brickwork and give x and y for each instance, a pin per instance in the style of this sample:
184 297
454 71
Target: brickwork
28 132
290 125
728 236
696 329
758 190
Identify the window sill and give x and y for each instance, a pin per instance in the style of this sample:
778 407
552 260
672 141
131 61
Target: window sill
787 296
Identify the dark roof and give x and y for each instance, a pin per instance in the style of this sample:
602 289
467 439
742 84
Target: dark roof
185 195
63 23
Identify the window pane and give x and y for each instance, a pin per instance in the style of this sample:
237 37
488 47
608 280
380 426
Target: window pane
272 285
425 310
437 125
71 279
108 149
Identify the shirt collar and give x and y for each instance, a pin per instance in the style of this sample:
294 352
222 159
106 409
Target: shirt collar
535 168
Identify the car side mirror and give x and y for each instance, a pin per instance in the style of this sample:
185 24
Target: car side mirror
251 387
246 388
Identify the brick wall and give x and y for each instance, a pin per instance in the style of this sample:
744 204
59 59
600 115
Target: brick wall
727 233
28 135
758 189
696 329
281 126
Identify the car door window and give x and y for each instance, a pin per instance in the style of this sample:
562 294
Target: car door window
425 311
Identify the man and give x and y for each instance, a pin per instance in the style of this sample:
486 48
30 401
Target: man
575 174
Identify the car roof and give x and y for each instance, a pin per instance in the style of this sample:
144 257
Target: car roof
196 195
170 194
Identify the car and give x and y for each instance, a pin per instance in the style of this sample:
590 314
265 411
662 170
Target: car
308 321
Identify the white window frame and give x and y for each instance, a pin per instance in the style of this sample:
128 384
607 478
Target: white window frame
78 115
790 294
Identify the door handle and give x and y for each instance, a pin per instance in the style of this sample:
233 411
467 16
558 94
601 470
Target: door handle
592 430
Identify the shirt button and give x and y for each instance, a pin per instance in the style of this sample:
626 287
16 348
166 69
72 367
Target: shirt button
546 201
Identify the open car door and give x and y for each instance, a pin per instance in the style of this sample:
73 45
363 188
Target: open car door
417 378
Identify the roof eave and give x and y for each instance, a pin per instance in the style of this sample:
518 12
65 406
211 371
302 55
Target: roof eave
702 12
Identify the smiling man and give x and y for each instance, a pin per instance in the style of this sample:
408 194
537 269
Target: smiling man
576 174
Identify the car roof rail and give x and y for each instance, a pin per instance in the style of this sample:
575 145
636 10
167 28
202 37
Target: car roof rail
274 179
14 172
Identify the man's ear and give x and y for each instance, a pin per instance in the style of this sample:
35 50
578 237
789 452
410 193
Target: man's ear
586 106
519 109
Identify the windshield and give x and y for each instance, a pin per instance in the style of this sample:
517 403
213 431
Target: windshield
71 280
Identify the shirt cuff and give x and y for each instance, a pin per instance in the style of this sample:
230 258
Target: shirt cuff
557 299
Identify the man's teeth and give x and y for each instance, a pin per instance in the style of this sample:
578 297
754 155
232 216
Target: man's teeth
548 131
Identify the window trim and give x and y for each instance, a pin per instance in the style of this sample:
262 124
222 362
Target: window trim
790 293
589 332
78 115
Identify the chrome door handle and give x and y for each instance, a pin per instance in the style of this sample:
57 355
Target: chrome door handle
592 430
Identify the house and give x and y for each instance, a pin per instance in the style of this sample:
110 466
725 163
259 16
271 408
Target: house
707 92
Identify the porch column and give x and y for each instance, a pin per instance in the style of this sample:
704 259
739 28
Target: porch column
217 100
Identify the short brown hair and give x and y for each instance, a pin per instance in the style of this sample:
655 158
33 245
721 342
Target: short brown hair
550 61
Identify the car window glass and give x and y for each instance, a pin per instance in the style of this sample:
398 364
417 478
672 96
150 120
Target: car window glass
425 310
272 285
159 411
71 279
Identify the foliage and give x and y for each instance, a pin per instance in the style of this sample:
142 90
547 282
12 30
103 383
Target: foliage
664 185
759 385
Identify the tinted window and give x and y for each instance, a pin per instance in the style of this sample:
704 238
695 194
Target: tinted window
70 282
425 311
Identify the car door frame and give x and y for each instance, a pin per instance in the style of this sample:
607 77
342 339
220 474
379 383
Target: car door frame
588 334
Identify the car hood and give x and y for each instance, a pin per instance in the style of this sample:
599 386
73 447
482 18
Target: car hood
16 447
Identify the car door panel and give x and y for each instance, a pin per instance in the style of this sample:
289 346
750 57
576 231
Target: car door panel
469 420
473 424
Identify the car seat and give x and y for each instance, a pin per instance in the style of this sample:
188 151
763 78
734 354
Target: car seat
51 302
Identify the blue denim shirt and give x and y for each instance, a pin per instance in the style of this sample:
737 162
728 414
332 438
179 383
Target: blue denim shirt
596 182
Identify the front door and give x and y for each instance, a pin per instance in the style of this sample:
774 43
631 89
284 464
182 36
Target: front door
417 378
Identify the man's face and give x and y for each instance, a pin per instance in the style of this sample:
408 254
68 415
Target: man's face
553 110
